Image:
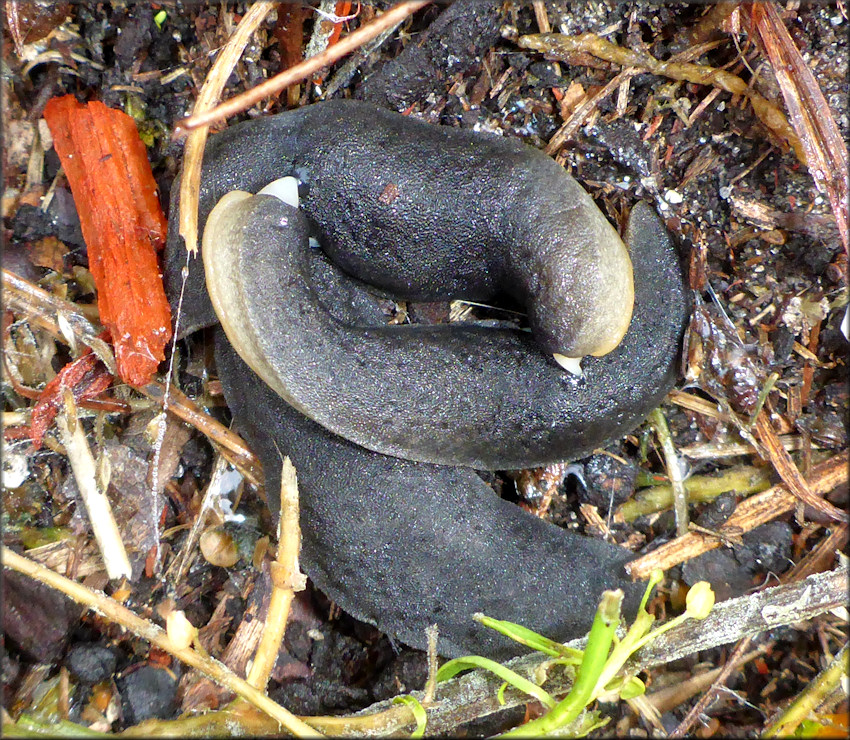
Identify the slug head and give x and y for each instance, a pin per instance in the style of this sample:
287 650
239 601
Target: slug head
581 295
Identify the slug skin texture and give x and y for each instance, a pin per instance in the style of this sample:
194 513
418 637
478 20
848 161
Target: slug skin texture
399 543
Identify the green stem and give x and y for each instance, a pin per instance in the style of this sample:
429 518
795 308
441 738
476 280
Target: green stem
674 471
598 646
700 489
811 697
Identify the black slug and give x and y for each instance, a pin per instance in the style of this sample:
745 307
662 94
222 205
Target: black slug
385 388
399 543
430 212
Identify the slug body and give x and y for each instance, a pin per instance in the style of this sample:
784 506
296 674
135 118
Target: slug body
399 543
430 212
384 387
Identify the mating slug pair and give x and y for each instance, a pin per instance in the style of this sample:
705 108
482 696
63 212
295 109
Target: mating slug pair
428 213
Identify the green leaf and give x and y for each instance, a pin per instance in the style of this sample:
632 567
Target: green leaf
529 638
453 667
418 713
599 643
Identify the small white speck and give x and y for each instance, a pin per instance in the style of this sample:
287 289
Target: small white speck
15 470
673 197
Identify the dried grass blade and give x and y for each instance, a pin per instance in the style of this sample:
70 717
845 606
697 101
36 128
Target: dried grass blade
826 152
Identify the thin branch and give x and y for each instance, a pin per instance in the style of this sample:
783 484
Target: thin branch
561 45
193 151
674 470
99 510
749 514
230 445
147 630
699 488
302 71
787 469
722 677
287 578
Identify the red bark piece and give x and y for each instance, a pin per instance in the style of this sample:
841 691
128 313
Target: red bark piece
107 168
86 377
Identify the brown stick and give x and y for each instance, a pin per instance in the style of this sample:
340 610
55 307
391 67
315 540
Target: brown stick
193 151
789 473
230 444
756 510
302 71
697 709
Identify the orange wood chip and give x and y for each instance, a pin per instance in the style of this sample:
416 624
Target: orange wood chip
107 167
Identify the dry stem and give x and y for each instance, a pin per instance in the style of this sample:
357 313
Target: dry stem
306 69
674 470
193 153
145 629
102 521
749 514
287 578
769 114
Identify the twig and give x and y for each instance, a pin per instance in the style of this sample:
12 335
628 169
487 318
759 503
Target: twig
578 116
287 578
819 558
346 71
193 152
432 634
762 611
147 630
302 71
102 521
674 470
769 114
715 450
667 699
230 444
811 117
699 405
749 514
52 314
789 473
697 709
